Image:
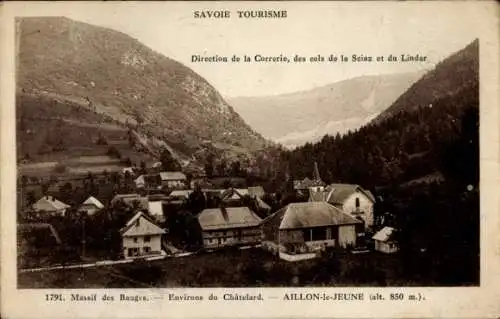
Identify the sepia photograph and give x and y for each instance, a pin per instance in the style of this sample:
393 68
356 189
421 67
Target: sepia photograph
273 159
149 161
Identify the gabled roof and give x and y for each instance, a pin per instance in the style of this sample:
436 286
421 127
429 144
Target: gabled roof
49 204
262 204
146 226
230 217
125 197
181 193
94 202
338 193
384 234
313 214
172 176
234 193
342 191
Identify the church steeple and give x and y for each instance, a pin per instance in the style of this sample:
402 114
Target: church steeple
316 176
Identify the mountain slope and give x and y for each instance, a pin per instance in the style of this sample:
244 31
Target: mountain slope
457 72
307 116
115 75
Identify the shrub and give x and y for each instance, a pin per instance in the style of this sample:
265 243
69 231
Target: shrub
60 168
101 140
113 152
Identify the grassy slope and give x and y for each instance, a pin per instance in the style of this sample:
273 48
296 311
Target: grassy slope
126 80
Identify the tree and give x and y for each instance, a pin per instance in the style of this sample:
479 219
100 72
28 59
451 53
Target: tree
196 201
101 140
236 169
209 165
113 152
66 192
30 198
143 167
168 162
60 168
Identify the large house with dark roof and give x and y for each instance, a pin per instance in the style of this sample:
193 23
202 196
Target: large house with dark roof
351 199
227 226
302 227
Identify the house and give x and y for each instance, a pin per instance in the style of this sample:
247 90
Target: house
155 209
256 191
156 165
173 179
132 200
141 236
384 240
50 205
180 194
91 206
235 196
308 226
148 181
351 199
199 181
129 170
227 226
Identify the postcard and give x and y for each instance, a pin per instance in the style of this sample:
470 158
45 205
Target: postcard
250 159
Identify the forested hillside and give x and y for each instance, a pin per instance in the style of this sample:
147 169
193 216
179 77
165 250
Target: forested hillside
422 163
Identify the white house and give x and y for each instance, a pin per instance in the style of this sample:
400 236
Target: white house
129 169
91 206
351 199
50 205
155 208
384 241
141 236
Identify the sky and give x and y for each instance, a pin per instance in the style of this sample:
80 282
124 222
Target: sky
432 29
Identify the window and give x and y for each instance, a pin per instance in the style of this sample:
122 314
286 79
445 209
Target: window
313 234
147 239
135 239
147 249
328 233
137 223
357 202
133 251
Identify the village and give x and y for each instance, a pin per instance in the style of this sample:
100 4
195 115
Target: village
170 215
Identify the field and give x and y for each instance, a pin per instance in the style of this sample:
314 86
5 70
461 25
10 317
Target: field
232 268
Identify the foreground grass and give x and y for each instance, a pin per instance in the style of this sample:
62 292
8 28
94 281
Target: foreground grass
230 268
